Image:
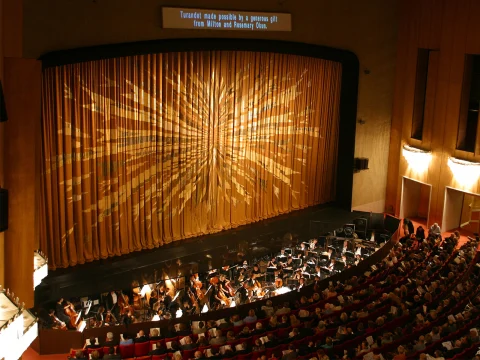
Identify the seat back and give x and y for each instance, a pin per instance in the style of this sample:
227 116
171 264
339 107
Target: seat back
127 351
142 349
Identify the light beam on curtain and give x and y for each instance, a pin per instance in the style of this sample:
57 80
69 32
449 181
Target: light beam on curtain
144 150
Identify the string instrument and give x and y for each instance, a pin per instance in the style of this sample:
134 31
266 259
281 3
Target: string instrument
241 277
223 297
278 283
214 280
192 298
137 298
123 303
198 285
229 288
69 310
110 319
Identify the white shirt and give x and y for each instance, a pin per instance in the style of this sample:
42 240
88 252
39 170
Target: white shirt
114 297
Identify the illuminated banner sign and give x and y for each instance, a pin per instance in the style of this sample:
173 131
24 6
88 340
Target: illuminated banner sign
181 18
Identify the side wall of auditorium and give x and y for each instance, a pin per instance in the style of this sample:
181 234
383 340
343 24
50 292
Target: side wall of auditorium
450 31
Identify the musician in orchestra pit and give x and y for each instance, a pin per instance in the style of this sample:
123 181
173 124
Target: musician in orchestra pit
110 319
331 266
111 302
279 272
318 272
128 318
289 263
215 299
255 271
313 244
187 308
345 246
302 247
358 258
330 253
304 268
272 263
223 282
301 283
54 322
100 317
243 293
297 275
60 311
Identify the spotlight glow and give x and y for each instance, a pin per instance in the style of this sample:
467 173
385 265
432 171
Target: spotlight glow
466 173
417 159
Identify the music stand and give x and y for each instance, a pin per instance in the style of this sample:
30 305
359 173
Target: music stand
361 227
321 241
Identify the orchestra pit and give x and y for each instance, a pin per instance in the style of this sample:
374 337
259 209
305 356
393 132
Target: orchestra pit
271 179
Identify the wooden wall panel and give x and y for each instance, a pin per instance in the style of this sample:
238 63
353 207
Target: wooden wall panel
2 237
22 95
452 27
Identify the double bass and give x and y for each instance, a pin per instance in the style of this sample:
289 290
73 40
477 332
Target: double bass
124 304
69 310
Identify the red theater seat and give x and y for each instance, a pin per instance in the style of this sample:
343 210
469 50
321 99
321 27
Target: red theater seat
142 349
127 351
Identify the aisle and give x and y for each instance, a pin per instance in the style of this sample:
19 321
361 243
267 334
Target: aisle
463 233
31 354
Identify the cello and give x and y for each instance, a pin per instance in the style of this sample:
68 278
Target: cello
123 304
197 284
224 298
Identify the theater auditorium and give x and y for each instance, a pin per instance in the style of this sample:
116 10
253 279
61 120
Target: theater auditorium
240 180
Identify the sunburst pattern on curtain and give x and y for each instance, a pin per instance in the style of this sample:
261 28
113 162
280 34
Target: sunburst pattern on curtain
143 150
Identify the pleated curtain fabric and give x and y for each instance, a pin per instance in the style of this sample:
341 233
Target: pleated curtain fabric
140 151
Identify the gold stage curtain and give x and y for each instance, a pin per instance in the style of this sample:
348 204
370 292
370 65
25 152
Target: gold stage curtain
140 151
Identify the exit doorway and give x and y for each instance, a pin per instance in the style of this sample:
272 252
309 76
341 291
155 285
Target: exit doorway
415 201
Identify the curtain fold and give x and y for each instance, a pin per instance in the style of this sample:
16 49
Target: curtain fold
144 150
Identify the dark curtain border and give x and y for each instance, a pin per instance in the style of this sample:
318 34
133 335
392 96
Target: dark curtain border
348 97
